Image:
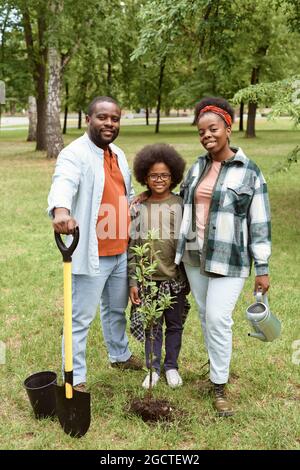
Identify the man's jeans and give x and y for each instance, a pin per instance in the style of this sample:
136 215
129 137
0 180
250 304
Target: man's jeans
110 289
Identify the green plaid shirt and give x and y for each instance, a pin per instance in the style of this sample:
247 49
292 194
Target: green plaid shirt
238 229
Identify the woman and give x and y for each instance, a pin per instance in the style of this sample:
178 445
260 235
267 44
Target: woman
226 226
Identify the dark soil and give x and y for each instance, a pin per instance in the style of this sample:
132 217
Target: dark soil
152 409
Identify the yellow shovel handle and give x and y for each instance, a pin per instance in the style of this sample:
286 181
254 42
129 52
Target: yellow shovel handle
67 259
68 324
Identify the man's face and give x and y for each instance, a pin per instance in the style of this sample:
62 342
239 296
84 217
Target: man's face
104 123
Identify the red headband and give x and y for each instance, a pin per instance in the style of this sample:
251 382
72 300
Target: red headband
221 112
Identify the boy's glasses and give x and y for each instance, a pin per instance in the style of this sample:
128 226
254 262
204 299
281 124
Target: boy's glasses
157 176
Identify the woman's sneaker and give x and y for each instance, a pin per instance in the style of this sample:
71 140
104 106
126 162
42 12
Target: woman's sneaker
173 378
155 379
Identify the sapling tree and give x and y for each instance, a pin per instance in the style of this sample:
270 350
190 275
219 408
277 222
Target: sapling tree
151 307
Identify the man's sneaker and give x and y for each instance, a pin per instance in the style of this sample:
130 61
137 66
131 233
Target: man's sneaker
222 404
155 379
132 363
173 378
80 387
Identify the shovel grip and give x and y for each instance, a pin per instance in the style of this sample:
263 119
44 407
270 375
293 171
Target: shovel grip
69 384
67 251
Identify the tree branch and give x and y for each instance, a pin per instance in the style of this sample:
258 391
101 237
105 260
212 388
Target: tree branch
65 58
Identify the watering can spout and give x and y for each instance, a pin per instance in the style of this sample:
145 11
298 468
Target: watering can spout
260 336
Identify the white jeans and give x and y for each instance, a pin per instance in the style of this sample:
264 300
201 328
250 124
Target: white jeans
216 298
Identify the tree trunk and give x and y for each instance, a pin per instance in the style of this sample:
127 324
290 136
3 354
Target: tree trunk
151 357
250 132
160 82
260 53
79 119
32 115
37 58
5 22
147 116
241 124
54 137
41 107
66 108
109 71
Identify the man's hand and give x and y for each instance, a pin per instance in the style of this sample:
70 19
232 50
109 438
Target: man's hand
262 284
63 222
134 295
139 198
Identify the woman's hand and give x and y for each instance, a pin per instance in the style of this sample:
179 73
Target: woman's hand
134 295
262 284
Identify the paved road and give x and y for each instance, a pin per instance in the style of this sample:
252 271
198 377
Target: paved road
21 122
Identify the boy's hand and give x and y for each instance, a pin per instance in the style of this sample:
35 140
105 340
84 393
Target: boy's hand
134 295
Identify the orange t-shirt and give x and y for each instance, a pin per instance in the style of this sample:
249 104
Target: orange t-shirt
113 218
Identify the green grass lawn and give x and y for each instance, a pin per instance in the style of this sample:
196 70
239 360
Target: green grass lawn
264 384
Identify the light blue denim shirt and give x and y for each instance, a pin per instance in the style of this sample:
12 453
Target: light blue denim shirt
77 185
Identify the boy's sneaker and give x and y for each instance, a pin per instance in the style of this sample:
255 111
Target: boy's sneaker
173 378
155 379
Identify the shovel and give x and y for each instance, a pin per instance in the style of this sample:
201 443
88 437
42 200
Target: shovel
73 408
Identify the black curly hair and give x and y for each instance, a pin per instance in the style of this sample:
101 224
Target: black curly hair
100 99
213 101
158 153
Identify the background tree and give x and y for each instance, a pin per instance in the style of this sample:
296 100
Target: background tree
14 70
158 33
68 22
53 129
34 22
146 54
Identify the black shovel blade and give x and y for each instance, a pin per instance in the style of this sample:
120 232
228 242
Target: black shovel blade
74 413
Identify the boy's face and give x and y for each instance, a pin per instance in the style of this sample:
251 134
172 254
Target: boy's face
159 180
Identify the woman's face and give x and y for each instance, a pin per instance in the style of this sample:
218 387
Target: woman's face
214 133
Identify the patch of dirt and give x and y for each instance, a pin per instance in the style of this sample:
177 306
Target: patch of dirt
14 343
153 409
204 386
233 378
10 319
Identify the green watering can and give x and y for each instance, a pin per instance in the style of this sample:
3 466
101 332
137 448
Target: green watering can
265 325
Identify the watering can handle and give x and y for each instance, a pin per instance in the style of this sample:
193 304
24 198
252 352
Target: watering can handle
260 297
67 251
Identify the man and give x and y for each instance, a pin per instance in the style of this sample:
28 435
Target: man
91 188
